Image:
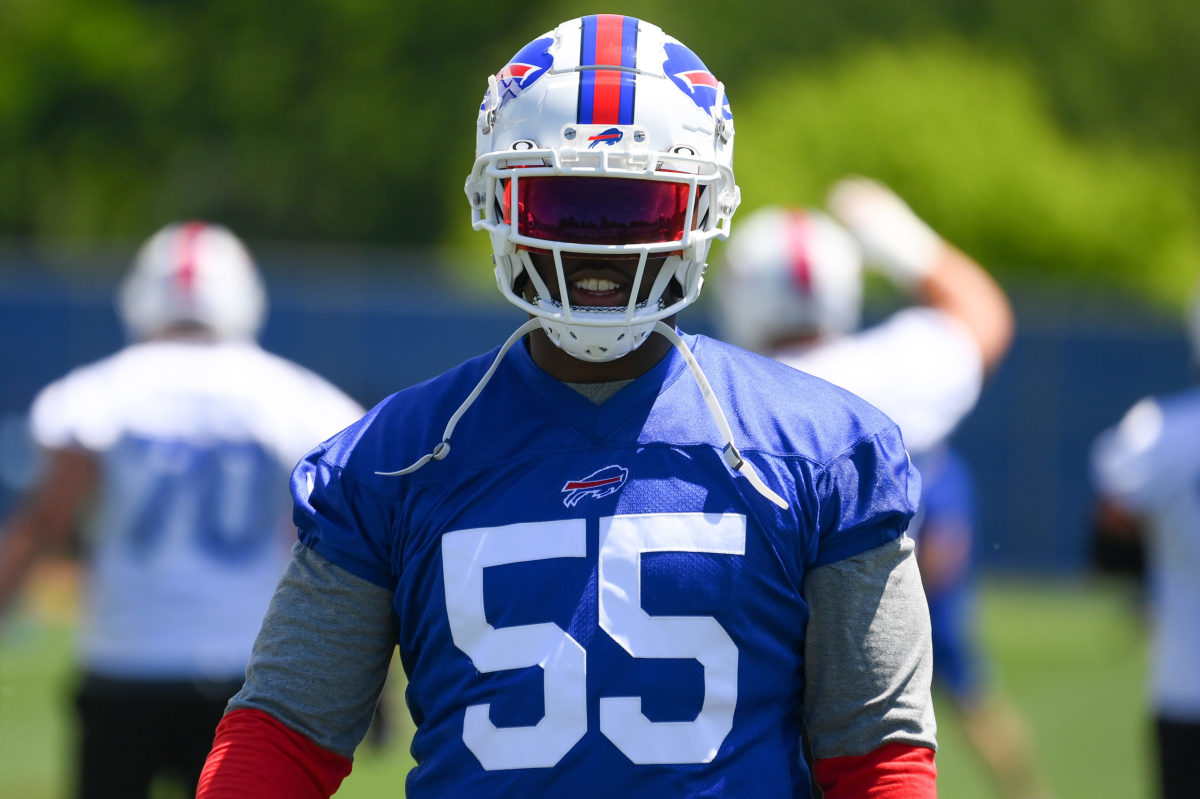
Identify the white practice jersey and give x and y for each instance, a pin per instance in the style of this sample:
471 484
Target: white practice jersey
195 440
919 366
1150 464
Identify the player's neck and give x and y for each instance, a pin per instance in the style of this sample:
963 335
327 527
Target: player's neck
569 369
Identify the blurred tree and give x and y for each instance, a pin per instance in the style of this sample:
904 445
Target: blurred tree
967 138
352 120
323 119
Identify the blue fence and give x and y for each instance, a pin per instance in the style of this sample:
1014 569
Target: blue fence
1068 376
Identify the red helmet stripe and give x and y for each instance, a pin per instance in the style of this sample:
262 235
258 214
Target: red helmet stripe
799 241
185 257
606 95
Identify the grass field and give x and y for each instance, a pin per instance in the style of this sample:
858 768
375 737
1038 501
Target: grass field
1069 655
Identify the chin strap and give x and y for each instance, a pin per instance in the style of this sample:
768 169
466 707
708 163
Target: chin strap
443 447
729 452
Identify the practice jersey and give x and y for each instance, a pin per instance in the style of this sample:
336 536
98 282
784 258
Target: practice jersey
1150 464
588 601
920 366
947 521
195 440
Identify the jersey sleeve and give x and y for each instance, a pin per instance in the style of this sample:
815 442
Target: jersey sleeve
343 520
1128 462
867 495
69 414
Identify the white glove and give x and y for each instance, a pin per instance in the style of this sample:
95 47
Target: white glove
893 238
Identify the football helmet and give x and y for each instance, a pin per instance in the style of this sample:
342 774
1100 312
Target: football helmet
603 137
193 273
789 272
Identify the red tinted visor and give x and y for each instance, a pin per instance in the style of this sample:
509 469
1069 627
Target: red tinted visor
598 210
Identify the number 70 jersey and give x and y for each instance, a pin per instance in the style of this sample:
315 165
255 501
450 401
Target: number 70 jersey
588 601
194 439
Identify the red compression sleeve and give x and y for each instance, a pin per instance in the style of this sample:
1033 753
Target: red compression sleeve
893 771
255 755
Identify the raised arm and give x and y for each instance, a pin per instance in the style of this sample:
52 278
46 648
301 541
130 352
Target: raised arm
897 242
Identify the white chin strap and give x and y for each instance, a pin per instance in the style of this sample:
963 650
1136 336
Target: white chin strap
729 451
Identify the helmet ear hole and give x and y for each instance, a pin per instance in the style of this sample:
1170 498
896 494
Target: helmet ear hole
523 286
502 201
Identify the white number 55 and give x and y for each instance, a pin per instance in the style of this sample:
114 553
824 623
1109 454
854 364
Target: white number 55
623 539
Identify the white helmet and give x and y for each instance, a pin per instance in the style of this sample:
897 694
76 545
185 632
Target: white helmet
603 136
789 272
193 273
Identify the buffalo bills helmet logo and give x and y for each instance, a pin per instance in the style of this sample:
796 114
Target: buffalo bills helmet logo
610 137
533 60
688 72
596 485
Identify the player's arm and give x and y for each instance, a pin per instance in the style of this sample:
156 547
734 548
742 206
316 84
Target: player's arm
46 519
913 255
869 664
314 679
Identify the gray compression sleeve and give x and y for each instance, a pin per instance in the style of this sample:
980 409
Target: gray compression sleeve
868 656
323 653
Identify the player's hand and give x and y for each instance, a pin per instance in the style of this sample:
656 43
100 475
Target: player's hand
894 239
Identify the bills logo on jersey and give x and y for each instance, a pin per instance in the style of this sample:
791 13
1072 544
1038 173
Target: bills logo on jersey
609 136
688 72
522 72
597 485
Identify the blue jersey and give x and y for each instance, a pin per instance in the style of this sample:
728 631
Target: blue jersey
588 601
947 521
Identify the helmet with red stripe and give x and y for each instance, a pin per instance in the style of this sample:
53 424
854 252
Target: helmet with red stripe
604 138
192 274
789 272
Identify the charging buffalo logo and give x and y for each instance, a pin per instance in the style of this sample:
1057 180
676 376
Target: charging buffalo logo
526 67
609 137
599 484
688 72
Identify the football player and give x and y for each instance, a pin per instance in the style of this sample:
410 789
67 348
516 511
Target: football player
184 439
617 559
791 287
1145 471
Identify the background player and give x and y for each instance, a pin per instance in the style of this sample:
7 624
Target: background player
184 439
607 575
792 287
1145 471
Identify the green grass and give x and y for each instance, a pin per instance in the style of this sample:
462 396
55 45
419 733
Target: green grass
1070 656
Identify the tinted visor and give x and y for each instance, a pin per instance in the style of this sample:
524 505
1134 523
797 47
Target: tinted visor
599 210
